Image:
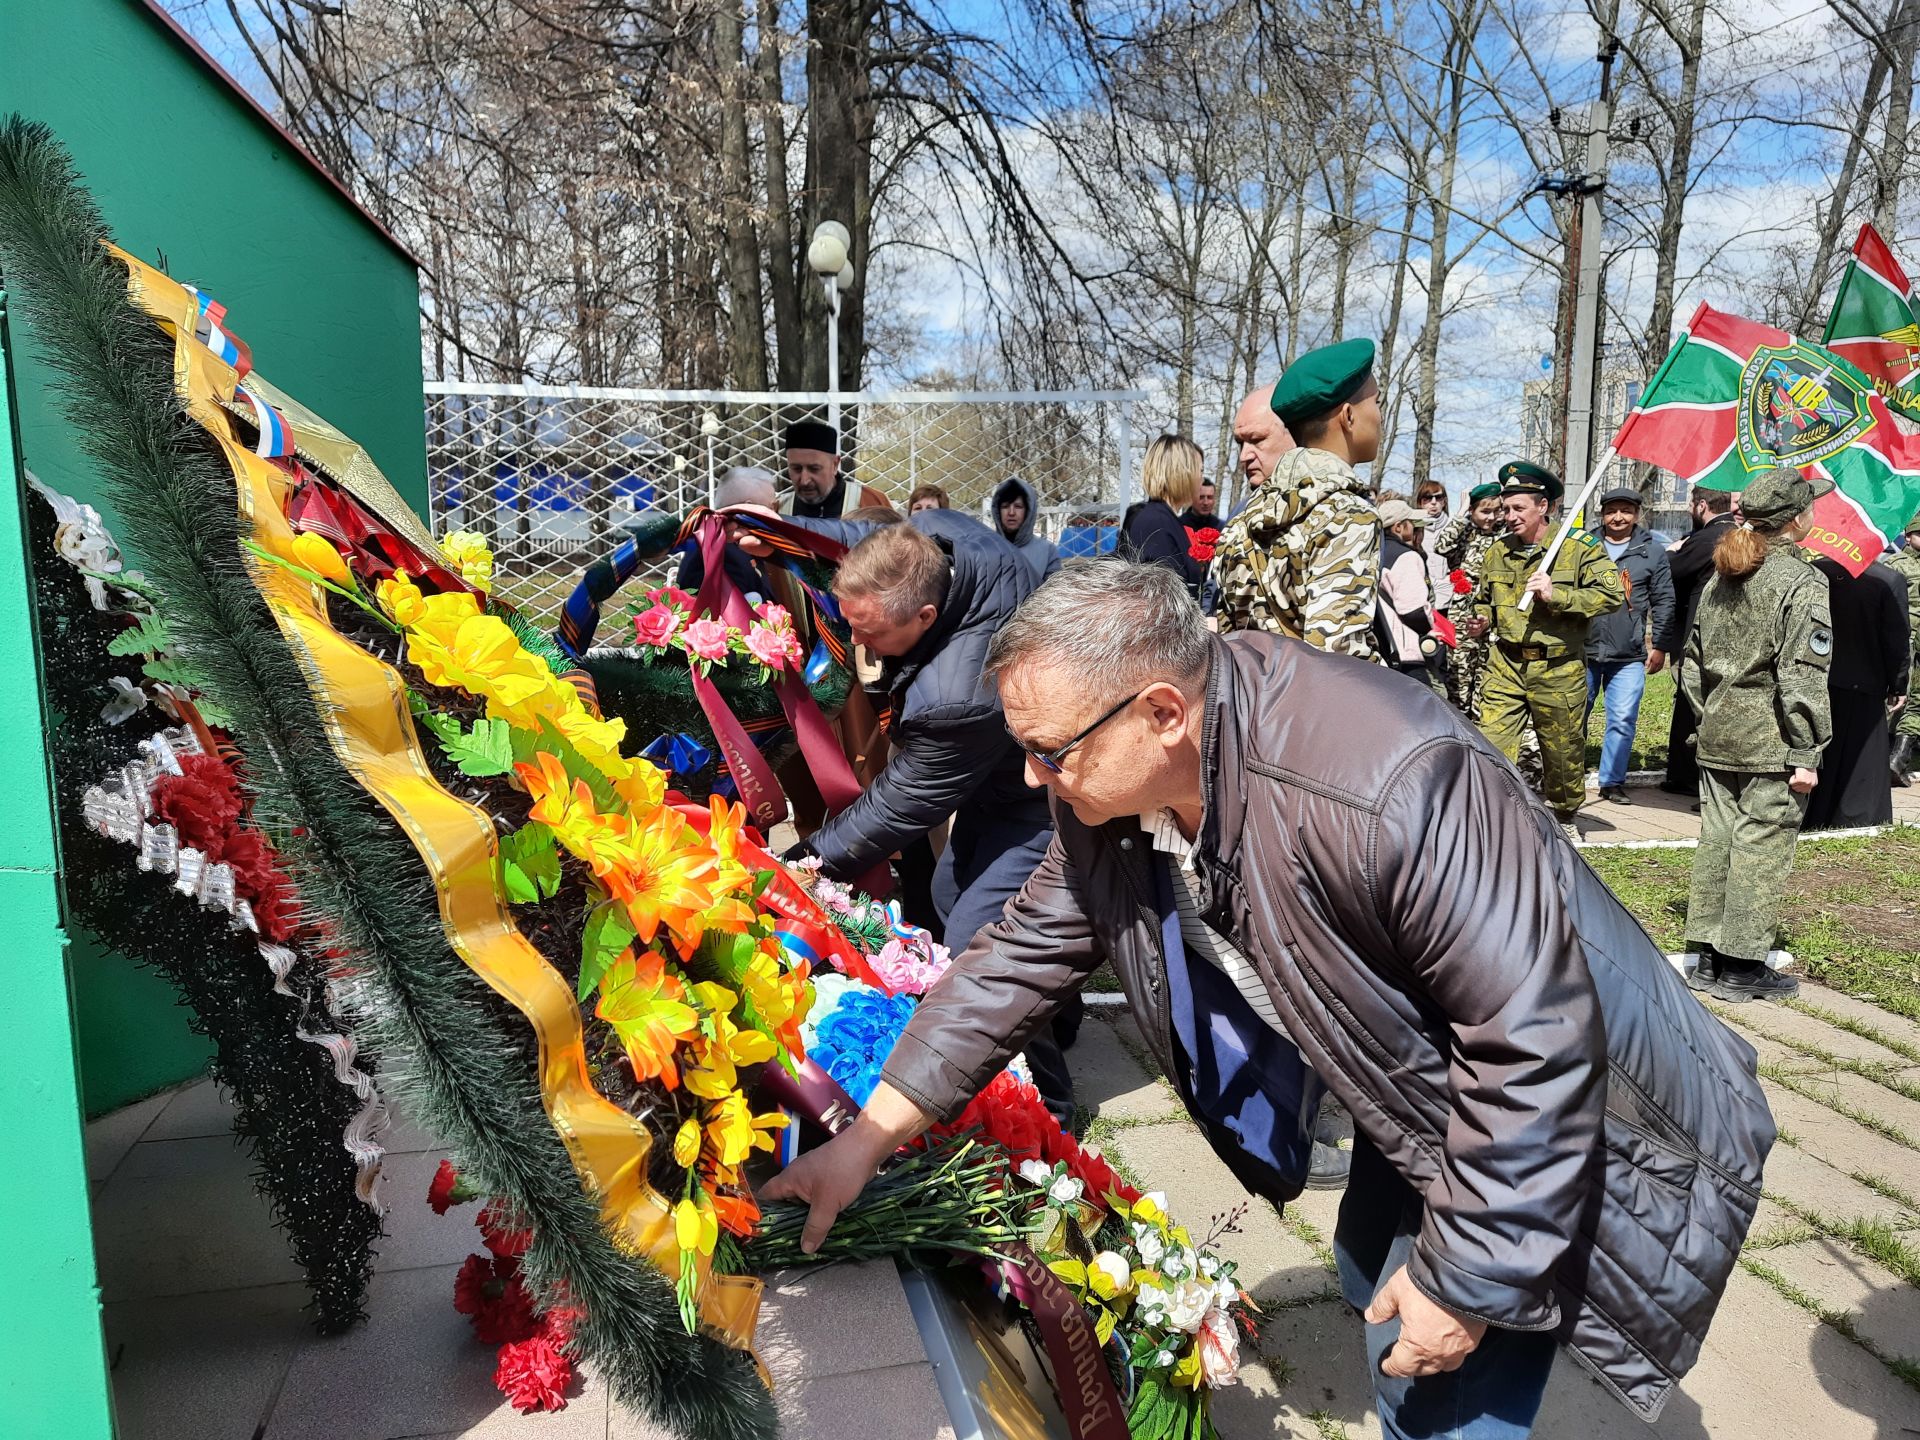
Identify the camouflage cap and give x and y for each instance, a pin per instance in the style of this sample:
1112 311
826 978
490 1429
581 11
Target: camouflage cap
1913 525
1773 498
1523 477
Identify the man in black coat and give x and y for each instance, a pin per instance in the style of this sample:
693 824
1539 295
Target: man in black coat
1867 674
1690 564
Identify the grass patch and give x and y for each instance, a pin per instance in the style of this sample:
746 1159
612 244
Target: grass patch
1649 735
1841 1320
1309 1235
1326 1426
1861 1028
1887 1190
1884 1073
1851 917
1796 1082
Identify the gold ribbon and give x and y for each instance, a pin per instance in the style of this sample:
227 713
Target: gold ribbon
362 705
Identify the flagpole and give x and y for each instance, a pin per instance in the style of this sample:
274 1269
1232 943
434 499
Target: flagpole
1566 525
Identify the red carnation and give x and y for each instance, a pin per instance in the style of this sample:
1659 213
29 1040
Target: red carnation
489 1292
480 1281
1461 582
533 1375
444 1193
202 803
1200 542
1098 1176
499 1228
276 906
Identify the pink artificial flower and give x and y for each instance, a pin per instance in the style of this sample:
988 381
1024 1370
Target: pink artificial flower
672 595
657 626
910 969
1219 1348
771 647
775 615
706 639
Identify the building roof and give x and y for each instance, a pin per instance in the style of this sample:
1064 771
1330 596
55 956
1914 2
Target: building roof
193 47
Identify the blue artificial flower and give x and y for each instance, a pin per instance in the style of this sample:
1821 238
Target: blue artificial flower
852 1044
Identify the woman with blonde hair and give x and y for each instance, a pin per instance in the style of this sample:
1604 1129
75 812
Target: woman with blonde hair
1153 530
1756 675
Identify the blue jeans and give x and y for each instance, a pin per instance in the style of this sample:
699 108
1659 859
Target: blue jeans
1497 1390
1623 682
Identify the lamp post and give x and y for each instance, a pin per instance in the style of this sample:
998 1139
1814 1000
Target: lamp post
709 428
828 257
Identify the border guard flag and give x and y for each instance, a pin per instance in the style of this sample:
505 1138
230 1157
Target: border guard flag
1734 398
1875 322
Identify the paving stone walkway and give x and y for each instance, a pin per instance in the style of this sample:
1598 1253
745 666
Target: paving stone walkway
1656 817
1819 1334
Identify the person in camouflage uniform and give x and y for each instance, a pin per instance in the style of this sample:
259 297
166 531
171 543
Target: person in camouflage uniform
1303 559
1537 668
1906 724
1755 673
1462 543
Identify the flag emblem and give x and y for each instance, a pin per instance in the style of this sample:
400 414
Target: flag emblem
1800 408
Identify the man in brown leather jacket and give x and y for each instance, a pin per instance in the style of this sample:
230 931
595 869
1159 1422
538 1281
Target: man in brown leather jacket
1307 871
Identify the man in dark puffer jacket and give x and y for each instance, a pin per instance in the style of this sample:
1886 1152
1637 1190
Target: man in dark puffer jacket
927 596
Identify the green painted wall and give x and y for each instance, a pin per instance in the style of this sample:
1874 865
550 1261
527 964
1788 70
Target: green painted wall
54 1383
186 171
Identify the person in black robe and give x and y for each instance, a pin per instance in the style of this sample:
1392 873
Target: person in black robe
1867 673
1690 563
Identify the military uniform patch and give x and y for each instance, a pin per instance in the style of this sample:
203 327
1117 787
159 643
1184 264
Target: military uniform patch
1821 642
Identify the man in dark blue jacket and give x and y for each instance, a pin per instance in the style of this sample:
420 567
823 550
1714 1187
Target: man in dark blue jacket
1621 650
927 597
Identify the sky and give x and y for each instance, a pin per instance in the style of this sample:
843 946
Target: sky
1759 194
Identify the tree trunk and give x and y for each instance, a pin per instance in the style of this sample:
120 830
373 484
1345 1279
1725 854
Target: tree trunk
746 308
1396 304
783 262
1902 31
1674 184
1836 210
839 139
1459 50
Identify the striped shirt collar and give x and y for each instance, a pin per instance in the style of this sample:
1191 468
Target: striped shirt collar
1163 830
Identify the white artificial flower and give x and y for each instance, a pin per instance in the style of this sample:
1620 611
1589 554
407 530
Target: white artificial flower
1114 1267
128 700
1159 1198
1188 1305
1163 1359
1209 1265
1225 1292
1036 1172
1152 1301
1149 1243
1065 1190
1219 1348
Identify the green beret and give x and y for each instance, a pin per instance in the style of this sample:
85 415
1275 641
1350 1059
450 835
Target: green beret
1484 491
1322 379
1523 477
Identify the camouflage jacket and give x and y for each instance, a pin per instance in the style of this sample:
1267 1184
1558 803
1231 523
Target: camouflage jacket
1462 548
1303 559
1585 584
1907 562
1756 667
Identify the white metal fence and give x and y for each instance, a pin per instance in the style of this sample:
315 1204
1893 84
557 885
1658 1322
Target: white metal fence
549 474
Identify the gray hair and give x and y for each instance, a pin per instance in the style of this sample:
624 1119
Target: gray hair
746 485
1112 624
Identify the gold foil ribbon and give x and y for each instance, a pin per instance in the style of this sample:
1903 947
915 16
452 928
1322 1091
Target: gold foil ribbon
362 706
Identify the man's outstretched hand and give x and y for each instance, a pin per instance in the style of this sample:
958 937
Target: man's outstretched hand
1432 1338
831 1178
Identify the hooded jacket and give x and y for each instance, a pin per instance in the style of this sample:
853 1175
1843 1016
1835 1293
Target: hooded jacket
1035 549
1623 634
1587 1138
952 754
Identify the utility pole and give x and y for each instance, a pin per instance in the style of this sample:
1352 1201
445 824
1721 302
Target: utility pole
1583 259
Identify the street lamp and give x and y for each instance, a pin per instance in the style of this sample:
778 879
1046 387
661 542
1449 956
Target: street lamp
710 427
828 257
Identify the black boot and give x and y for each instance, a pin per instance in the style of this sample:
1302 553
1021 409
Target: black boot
1742 980
1704 974
1900 763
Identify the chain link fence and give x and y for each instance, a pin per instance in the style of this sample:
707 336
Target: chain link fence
549 474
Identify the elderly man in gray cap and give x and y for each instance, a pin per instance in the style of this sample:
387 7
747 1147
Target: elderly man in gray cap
1620 653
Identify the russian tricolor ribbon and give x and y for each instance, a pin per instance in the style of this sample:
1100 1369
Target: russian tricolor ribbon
276 437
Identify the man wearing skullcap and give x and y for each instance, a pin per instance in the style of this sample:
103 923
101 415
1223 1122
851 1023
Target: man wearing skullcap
1462 545
1906 723
820 491
1303 558
1537 669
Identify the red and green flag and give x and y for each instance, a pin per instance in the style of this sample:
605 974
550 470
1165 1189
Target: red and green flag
1875 322
1734 398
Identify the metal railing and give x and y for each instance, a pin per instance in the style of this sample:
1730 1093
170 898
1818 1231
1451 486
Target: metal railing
550 473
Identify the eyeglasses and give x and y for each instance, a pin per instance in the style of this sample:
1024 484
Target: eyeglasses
1050 760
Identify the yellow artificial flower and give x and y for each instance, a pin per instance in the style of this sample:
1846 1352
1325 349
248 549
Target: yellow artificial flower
645 1006
597 740
469 553
643 787
686 1145
316 553
669 879
734 1132
713 1073
694 1224
490 661
401 599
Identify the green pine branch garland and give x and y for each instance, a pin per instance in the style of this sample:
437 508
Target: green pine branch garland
289 1111
463 1060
